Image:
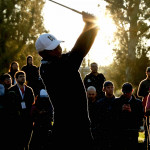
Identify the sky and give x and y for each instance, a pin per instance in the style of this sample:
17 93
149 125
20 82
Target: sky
67 25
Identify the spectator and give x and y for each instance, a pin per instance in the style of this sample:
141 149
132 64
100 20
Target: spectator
144 88
6 80
143 91
32 76
130 118
95 79
65 87
20 98
14 67
105 138
42 114
3 128
91 95
5 83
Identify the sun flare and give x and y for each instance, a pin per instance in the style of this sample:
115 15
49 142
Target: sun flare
67 25
101 51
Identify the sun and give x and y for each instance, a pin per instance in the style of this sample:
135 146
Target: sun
67 25
102 49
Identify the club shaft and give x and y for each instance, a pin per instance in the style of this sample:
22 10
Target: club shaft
66 7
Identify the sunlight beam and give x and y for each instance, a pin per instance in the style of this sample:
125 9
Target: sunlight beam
67 26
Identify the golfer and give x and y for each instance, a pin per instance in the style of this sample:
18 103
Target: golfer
65 87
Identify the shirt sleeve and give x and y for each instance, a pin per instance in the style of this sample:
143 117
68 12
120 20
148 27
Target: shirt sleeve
85 40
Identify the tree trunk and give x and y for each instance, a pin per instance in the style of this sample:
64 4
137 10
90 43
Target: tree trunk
133 39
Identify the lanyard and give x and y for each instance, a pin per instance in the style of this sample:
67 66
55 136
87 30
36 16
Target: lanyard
22 94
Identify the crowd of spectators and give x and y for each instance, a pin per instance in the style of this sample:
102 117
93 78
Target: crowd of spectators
27 113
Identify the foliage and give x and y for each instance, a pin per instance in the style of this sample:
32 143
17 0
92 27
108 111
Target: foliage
20 24
132 18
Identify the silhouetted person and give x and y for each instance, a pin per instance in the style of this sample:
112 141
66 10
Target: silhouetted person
105 131
130 115
96 79
92 102
144 88
91 95
6 80
5 83
3 129
42 114
14 67
143 91
32 75
65 87
20 98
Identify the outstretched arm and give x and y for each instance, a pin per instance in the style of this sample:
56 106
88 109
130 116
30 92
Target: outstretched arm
87 37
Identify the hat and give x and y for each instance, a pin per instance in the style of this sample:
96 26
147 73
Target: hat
43 93
107 83
46 41
148 69
127 87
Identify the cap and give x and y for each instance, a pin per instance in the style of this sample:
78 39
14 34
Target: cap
46 41
127 87
148 69
43 93
107 83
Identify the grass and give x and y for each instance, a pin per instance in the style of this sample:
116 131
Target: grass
141 137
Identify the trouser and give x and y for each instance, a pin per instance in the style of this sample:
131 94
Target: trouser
146 126
41 139
104 140
72 139
128 140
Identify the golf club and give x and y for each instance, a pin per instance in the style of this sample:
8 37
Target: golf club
66 7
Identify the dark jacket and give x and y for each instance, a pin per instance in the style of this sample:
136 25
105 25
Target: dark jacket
144 87
96 81
129 120
32 73
143 91
19 116
105 114
14 100
66 90
42 113
92 112
33 78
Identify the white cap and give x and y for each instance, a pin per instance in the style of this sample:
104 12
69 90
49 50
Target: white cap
46 41
43 93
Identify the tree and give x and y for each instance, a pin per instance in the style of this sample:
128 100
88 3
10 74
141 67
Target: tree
132 18
20 24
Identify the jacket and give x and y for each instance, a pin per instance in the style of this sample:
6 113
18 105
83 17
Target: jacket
14 106
129 120
67 93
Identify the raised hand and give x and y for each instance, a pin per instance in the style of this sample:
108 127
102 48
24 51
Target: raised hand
89 18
